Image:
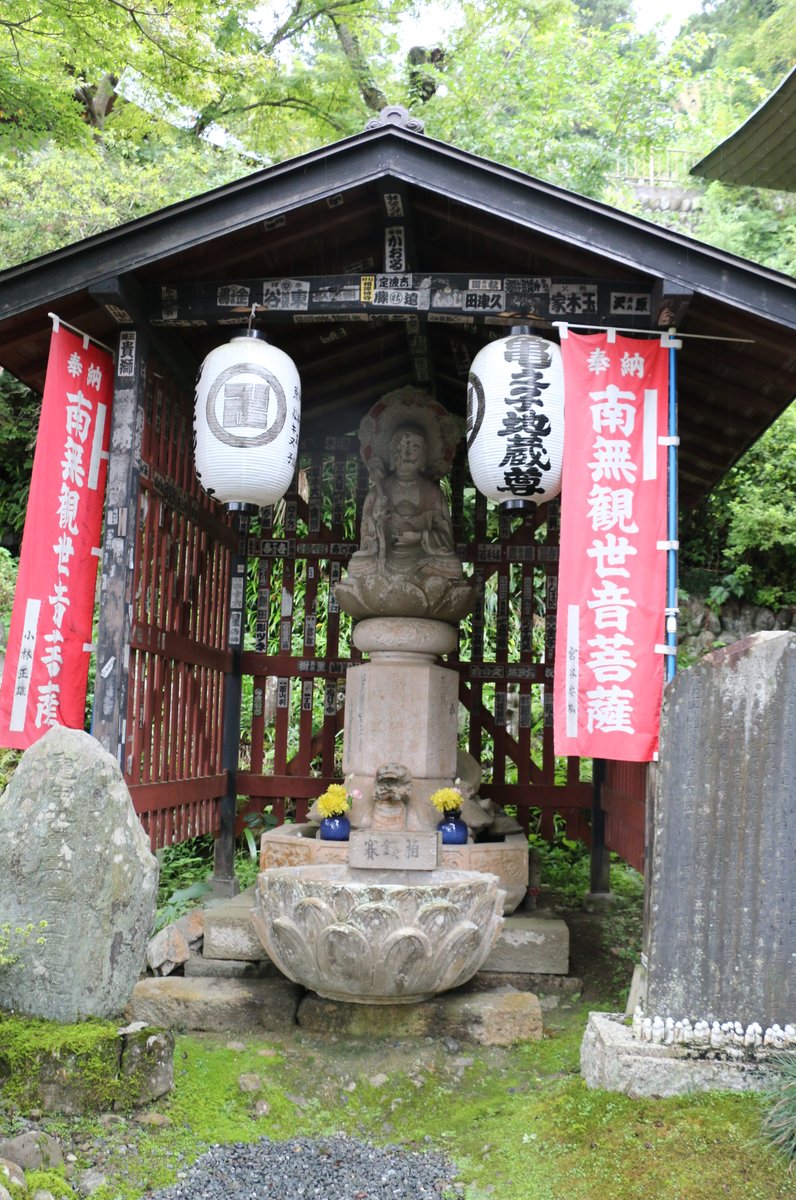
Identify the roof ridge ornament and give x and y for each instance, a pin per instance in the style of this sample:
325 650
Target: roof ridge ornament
396 114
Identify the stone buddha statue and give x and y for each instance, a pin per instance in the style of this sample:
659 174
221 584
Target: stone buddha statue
406 565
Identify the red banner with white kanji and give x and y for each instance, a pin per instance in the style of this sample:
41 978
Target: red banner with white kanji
612 571
46 667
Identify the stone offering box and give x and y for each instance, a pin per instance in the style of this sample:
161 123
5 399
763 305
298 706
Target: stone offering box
298 846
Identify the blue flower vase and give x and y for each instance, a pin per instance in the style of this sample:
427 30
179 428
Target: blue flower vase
453 829
335 829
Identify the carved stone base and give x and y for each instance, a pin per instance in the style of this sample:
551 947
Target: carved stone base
297 845
355 936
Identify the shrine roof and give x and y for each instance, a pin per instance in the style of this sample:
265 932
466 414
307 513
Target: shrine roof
762 151
319 223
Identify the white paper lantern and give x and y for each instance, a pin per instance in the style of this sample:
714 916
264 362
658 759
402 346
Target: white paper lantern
246 421
515 420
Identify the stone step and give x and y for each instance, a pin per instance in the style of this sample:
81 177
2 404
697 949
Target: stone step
216 1005
491 1018
229 933
497 1017
533 944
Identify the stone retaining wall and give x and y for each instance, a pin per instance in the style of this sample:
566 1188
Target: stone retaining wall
702 629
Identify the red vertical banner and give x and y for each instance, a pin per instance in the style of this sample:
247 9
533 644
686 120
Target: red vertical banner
46 667
612 573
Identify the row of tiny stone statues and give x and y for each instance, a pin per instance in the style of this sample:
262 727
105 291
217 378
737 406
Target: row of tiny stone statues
727 1035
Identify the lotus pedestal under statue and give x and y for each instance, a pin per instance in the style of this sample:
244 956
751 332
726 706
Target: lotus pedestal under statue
362 936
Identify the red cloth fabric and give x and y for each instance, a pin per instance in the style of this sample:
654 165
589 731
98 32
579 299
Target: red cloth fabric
46 667
612 574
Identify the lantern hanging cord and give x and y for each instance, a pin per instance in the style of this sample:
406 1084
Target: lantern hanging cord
57 323
705 337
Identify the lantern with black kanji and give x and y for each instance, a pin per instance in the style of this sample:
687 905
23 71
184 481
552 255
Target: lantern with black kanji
246 422
515 420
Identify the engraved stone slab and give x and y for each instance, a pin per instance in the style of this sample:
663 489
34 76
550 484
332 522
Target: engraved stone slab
394 851
721 938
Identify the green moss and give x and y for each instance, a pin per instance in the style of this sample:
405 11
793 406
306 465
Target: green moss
46 1181
519 1122
83 1058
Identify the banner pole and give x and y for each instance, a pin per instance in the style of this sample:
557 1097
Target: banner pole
672 554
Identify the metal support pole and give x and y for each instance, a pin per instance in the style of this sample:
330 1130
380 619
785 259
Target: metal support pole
224 882
672 554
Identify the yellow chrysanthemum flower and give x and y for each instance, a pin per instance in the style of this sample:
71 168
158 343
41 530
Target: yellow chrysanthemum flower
446 799
334 801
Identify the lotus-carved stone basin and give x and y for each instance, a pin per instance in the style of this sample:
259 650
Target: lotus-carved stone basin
353 935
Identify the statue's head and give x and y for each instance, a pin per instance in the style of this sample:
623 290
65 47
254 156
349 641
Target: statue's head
408 422
408 450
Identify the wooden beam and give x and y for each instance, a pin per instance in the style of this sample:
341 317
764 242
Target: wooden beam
121 525
478 298
124 301
670 303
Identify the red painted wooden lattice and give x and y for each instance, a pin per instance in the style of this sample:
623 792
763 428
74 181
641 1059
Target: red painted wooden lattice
178 652
300 646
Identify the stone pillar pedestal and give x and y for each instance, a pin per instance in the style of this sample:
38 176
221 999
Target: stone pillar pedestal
401 707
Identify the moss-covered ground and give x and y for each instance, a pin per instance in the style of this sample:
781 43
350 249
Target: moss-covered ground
519 1123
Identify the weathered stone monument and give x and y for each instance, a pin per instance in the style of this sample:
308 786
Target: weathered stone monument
73 854
721 929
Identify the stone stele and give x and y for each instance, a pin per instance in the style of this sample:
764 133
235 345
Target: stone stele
722 919
73 854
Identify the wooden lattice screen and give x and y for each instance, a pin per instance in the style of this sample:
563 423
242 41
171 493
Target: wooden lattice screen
178 652
624 802
295 672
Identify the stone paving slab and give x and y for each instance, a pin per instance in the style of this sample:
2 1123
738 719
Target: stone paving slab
227 968
611 1058
533 944
215 1005
493 1018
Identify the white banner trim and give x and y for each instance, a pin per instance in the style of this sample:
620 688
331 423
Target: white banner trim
19 705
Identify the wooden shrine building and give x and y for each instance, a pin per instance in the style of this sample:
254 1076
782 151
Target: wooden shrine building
385 259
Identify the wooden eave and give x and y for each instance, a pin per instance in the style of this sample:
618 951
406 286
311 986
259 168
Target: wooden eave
762 151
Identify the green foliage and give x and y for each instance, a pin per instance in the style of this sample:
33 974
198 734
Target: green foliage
19 422
530 86
183 882
91 1048
9 761
14 937
518 1122
566 865
186 868
52 195
744 533
779 1122
8 581
38 1182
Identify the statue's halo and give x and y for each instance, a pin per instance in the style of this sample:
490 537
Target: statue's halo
410 406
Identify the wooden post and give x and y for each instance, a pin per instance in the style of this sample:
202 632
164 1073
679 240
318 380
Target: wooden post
600 878
109 723
224 882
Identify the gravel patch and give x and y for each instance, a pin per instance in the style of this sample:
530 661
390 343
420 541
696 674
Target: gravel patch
333 1168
